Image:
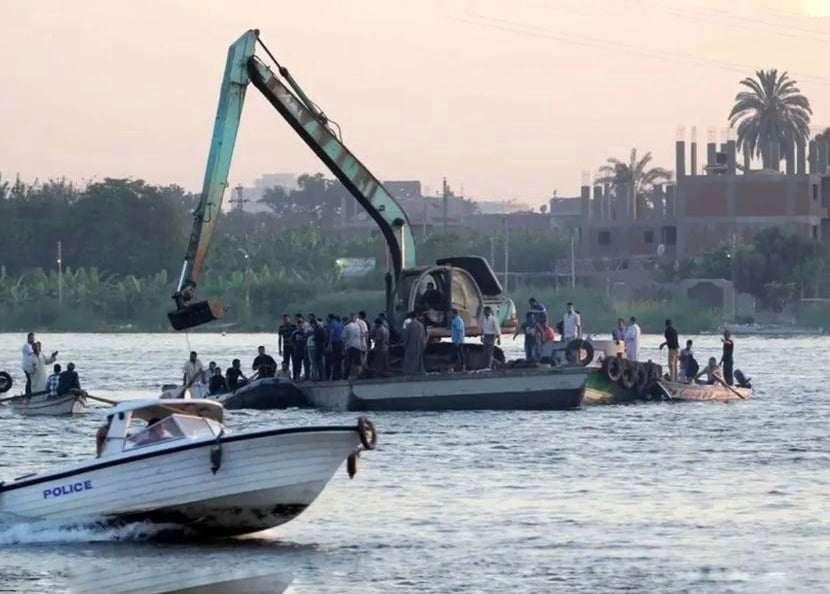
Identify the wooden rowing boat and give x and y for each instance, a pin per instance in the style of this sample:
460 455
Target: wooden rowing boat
703 392
44 404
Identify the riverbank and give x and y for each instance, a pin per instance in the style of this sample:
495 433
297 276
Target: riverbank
147 313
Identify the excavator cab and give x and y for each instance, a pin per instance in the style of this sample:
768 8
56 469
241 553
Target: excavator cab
467 284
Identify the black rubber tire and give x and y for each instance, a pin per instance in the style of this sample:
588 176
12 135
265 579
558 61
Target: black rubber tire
629 375
575 348
614 369
6 382
655 372
367 433
641 374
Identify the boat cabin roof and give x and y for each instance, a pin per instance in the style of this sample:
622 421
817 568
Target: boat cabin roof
159 409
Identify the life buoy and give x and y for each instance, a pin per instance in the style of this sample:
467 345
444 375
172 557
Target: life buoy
614 369
5 382
579 351
629 375
367 433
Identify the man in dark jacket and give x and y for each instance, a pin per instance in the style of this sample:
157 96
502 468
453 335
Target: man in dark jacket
264 363
670 334
68 380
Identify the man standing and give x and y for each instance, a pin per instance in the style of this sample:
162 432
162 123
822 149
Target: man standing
353 341
37 368
298 345
193 372
571 324
264 363
364 337
334 349
284 345
632 340
538 311
670 334
380 347
457 333
490 335
414 344
27 352
726 359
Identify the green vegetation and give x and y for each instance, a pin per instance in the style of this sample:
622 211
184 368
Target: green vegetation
123 241
599 313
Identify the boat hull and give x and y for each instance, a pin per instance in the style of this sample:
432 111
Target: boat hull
509 390
68 404
265 479
265 394
704 392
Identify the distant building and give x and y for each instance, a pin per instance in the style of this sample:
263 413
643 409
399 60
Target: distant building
487 207
697 213
248 198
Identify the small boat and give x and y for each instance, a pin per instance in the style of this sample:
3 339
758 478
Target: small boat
267 393
173 462
264 394
702 392
46 404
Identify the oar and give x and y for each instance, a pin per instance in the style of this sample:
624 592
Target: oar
99 399
731 389
7 398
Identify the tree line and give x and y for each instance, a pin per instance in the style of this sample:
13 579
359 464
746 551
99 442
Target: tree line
123 242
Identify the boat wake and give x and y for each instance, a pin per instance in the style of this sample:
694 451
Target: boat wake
23 533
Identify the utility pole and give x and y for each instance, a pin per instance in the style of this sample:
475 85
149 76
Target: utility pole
493 252
573 262
60 273
734 276
446 195
506 252
239 201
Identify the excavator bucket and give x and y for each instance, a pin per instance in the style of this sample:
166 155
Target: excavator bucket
196 314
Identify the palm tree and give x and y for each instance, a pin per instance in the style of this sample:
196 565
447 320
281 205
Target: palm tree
636 176
772 110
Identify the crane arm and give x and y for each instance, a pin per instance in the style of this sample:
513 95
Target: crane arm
228 115
312 126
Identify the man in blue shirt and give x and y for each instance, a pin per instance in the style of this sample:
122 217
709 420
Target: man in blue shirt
334 349
538 310
457 327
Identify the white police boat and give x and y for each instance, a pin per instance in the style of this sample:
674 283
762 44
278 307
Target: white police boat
172 462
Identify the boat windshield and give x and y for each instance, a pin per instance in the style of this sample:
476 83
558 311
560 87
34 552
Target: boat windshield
170 428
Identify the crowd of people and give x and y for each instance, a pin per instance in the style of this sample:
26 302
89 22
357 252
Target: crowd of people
35 366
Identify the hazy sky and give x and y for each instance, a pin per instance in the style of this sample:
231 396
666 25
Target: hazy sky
509 99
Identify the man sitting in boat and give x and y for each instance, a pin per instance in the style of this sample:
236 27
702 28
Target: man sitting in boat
69 380
713 372
234 378
52 382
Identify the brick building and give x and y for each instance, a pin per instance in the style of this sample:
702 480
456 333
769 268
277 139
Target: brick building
703 210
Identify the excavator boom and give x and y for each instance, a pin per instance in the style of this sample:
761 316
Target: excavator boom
283 92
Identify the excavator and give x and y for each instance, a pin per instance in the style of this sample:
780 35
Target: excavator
466 283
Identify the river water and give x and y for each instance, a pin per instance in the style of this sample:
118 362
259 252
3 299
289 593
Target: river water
660 497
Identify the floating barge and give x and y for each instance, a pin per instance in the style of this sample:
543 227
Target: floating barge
513 389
